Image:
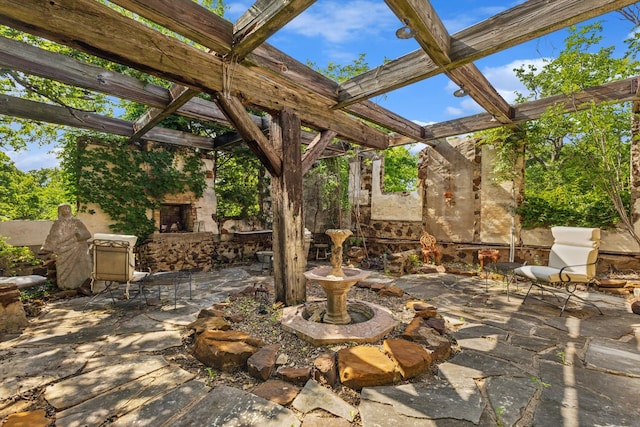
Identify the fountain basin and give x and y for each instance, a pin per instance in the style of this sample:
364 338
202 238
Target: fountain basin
336 288
295 320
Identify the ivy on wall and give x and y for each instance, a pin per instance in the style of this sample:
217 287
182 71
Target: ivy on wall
127 181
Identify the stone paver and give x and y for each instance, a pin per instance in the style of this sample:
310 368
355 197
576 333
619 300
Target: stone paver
314 396
513 363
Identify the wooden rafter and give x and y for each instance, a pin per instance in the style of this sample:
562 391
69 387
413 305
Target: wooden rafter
422 22
143 48
266 57
180 95
252 134
519 24
32 110
482 91
29 59
315 149
620 91
262 20
187 18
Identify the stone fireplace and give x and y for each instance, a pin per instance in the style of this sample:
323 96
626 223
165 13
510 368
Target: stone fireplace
176 217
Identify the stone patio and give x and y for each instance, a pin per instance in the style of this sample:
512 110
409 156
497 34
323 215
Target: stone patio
518 365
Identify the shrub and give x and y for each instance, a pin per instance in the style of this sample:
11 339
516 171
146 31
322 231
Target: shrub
13 257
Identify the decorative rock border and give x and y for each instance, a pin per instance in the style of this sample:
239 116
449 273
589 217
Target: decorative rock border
422 344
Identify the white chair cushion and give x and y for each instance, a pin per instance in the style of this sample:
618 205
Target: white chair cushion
139 275
576 236
549 274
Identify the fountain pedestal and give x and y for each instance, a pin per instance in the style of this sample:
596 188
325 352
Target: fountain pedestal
336 288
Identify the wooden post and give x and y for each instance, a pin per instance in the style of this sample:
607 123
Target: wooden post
290 260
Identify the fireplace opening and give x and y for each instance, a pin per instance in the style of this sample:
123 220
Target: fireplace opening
176 218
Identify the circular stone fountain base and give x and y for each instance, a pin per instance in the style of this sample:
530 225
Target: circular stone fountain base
376 322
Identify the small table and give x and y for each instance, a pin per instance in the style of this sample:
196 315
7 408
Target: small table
504 268
168 278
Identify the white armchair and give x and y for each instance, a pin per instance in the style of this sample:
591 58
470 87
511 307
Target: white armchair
572 260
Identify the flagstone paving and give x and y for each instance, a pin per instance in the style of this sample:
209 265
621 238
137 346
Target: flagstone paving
516 365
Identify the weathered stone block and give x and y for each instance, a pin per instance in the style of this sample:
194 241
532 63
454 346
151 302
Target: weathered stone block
411 358
364 366
224 350
263 362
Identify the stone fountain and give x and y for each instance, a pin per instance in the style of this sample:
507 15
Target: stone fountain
338 320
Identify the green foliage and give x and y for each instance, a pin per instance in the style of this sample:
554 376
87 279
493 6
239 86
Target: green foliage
400 169
238 179
340 73
12 257
29 195
128 182
414 260
577 162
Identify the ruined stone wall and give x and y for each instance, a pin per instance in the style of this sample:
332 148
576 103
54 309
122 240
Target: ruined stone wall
452 191
464 208
383 221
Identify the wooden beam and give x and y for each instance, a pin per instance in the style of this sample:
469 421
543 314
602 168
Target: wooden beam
280 64
315 149
29 59
252 134
529 20
424 24
187 18
31 110
482 91
269 58
430 33
124 41
262 20
619 91
288 226
150 118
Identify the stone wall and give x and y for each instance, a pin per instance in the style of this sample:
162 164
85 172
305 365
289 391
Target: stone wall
177 252
463 207
196 251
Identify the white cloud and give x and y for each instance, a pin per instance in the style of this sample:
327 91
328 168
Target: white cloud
34 157
338 22
453 111
504 78
236 9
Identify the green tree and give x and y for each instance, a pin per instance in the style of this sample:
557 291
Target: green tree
577 162
29 195
400 169
239 178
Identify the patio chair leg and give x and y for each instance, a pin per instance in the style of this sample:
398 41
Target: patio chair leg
529 290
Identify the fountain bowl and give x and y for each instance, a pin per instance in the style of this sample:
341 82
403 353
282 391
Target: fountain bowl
381 322
336 288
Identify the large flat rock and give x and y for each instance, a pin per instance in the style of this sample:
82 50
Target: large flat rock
576 396
24 369
124 398
159 410
230 407
432 400
108 376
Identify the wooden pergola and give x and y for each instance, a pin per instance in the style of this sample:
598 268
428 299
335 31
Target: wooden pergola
232 63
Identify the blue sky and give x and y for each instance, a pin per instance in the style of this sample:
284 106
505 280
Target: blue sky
339 31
